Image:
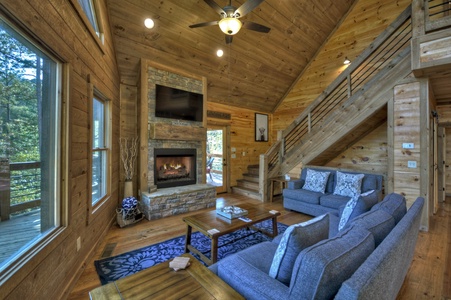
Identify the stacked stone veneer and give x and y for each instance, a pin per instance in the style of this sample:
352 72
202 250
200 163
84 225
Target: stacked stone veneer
173 201
166 78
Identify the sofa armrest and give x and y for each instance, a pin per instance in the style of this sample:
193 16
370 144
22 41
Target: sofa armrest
251 282
295 184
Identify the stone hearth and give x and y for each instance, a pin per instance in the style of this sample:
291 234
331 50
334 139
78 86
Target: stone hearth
177 200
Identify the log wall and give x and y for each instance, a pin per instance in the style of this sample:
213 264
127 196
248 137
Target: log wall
50 272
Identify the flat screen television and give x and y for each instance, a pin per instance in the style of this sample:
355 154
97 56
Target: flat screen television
178 104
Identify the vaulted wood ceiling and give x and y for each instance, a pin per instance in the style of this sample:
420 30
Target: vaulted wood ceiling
257 69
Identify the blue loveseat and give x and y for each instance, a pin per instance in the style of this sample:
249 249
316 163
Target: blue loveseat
367 259
297 198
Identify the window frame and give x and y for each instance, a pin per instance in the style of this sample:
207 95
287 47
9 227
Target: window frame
38 250
95 208
99 39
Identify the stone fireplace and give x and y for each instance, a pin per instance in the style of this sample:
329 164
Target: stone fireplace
174 167
176 154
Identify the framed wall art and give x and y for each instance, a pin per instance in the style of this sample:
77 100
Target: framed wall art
261 127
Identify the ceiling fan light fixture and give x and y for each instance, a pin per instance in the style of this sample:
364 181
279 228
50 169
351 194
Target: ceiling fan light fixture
230 25
346 61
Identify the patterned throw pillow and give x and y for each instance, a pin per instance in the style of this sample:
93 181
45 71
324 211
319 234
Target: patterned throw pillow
316 181
295 239
348 185
352 207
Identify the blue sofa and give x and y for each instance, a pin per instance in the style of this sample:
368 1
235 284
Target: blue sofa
296 198
367 259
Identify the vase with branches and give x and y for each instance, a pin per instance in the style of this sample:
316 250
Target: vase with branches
129 152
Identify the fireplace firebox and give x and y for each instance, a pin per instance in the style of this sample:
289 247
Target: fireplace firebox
174 167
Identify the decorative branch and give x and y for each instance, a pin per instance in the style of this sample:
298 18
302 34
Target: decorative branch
129 151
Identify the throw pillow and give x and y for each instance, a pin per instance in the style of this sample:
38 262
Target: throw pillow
296 238
348 184
352 209
316 181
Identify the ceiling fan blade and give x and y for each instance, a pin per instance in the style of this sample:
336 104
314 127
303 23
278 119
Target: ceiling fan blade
216 7
204 24
228 39
247 7
256 27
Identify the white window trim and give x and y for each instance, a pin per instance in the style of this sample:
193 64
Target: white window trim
94 210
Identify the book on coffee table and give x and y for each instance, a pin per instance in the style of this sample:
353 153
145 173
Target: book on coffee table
231 212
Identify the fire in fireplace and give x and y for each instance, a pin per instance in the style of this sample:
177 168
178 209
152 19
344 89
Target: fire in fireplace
174 167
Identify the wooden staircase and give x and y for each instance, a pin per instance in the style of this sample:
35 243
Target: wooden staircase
349 108
249 184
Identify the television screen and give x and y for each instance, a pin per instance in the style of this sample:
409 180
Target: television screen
178 104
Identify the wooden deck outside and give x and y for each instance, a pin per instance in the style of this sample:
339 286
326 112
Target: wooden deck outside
17 232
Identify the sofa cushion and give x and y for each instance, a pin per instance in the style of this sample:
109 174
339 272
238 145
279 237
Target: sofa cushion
316 181
357 206
302 195
296 238
321 269
378 222
330 182
333 201
394 204
348 184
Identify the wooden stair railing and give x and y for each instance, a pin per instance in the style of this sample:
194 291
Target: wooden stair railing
390 48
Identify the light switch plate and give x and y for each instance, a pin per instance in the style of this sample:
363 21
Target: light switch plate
411 164
408 145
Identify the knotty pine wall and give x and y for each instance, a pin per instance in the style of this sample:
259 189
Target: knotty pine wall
50 273
444 118
242 137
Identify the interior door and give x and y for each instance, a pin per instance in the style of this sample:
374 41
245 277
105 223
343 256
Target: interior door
217 168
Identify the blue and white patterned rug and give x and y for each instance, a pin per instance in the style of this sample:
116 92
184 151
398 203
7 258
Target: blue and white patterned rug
116 267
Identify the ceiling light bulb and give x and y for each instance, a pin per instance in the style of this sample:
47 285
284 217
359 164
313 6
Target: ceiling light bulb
346 61
219 53
149 23
230 26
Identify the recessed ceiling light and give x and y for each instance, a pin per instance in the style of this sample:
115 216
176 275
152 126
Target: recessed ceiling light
149 23
219 53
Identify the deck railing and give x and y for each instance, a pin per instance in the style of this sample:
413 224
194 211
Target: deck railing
20 187
375 58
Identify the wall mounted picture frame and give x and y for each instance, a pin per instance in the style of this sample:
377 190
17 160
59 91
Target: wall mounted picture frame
261 127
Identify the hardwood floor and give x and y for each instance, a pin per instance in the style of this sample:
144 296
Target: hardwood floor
429 276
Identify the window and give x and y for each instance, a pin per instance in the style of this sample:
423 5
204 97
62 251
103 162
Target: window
30 145
90 10
100 148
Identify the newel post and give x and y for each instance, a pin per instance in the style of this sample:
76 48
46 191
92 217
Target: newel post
263 185
4 189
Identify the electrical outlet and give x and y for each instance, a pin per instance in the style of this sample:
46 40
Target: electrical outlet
411 164
233 155
408 145
78 243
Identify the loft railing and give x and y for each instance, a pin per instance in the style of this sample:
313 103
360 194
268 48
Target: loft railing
20 187
375 58
437 14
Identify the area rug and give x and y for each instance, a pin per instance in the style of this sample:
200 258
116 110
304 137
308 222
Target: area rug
116 267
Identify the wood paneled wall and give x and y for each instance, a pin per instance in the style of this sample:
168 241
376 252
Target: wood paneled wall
242 138
50 273
369 154
364 22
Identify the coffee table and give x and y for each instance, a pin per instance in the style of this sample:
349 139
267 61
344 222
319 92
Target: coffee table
205 222
161 282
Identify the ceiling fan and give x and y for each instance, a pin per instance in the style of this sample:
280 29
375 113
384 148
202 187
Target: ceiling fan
230 23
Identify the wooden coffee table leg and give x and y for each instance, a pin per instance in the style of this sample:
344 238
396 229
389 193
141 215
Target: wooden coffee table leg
188 238
214 249
274 227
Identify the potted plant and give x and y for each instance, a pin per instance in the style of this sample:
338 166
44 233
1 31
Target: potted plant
129 151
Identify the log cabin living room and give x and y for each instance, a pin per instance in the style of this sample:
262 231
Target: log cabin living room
168 107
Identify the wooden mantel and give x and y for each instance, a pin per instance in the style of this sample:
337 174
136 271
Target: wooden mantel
168 131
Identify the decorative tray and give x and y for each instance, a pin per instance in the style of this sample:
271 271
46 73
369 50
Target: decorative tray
231 212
